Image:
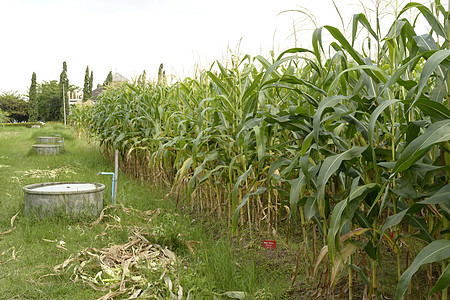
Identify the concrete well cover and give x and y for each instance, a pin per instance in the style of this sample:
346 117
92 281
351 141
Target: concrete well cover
71 197
67 187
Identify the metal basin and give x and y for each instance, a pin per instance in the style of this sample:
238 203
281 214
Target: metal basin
72 198
47 149
47 140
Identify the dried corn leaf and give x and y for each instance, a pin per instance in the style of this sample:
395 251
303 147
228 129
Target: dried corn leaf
128 268
110 295
13 218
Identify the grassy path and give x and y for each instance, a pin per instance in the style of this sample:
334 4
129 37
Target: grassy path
28 254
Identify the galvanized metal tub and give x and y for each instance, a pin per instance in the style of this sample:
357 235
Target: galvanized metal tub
71 198
47 149
47 139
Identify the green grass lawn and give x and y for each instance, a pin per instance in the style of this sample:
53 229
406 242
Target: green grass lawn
29 253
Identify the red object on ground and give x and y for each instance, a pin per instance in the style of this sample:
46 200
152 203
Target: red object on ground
270 244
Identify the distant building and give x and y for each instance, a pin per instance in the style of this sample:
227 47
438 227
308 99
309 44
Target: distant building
97 92
75 96
117 78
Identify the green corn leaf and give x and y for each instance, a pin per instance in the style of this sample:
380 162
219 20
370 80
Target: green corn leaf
432 20
324 104
264 62
251 123
328 168
425 42
441 196
228 104
439 91
341 214
420 223
272 70
373 119
435 110
294 50
304 164
436 251
334 228
310 208
443 281
362 274
361 18
359 124
432 64
383 201
293 164
292 80
393 220
362 219
395 78
317 43
345 44
260 142
417 167
436 133
296 187
253 87
236 186
209 157
225 74
235 218
276 165
219 83
378 73
306 143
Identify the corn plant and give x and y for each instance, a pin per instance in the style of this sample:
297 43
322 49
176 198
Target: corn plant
353 149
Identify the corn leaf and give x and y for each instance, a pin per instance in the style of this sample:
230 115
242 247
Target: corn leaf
329 167
436 251
443 281
436 133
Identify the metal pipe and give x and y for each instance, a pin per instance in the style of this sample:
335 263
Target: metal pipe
113 200
61 140
116 171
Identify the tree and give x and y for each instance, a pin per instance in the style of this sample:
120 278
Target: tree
12 104
3 117
63 89
49 99
33 105
108 79
86 85
91 83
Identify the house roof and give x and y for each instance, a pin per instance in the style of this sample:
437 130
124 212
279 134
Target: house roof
97 92
119 78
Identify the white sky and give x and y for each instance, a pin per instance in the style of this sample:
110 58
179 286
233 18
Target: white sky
129 36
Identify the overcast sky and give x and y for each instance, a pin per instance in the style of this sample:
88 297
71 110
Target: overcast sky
129 36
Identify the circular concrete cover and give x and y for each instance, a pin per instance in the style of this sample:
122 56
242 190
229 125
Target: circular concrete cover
67 187
63 188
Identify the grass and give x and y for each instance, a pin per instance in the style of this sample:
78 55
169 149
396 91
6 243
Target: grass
30 252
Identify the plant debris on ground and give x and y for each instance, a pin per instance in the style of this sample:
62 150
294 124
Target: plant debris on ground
136 269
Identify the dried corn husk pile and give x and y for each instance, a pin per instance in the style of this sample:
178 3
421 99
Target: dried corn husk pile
37 173
137 269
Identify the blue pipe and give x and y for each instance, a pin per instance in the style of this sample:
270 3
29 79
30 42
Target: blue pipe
113 182
64 148
61 140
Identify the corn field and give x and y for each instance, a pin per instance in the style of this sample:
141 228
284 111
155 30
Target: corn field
347 142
